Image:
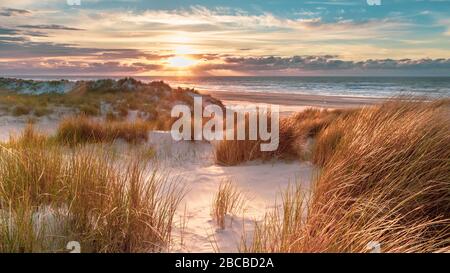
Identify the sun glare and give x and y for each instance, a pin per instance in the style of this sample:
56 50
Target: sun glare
181 62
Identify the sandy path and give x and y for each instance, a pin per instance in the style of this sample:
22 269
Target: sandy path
193 165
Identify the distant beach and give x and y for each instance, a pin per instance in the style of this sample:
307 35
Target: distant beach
293 102
297 93
378 87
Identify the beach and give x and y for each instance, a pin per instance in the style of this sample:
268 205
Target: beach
129 121
224 127
293 102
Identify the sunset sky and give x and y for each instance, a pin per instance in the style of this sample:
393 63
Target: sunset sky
244 37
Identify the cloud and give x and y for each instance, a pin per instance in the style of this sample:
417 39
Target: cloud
29 49
103 62
114 54
275 63
13 12
50 27
228 30
262 64
32 33
9 34
8 31
11 39
426 63
62 67
221 39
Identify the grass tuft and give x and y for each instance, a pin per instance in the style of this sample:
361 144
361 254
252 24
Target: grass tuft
294 135
227 200
82 129
20 110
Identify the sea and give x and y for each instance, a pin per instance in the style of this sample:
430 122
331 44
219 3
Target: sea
435 87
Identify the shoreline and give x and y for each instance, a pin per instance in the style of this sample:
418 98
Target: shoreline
294 100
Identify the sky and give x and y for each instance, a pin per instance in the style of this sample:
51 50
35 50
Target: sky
225 38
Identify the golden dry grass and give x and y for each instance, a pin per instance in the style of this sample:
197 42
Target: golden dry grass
233 152
228 199
294 132
82 129
51 194
385 178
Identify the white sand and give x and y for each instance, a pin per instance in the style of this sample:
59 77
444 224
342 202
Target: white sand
12 125
260 182
295 100
192 164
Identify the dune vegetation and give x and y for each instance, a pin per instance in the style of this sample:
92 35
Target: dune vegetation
384 179
114 99
294 134
83 129
51 194
228 200
383 176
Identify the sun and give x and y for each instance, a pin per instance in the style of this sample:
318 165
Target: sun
181 62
